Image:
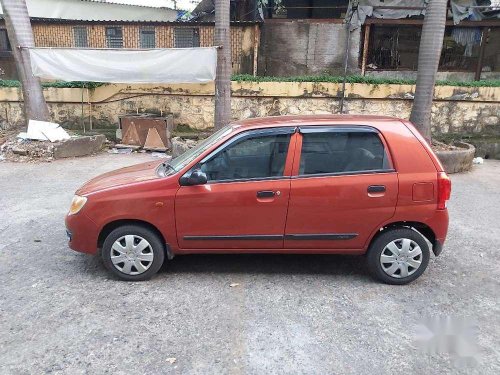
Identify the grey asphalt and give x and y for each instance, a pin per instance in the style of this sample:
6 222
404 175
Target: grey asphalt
61 312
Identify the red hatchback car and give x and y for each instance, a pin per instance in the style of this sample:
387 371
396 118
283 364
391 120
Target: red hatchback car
294 184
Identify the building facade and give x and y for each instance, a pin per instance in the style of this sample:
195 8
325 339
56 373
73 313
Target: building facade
97 24
383 41
93 34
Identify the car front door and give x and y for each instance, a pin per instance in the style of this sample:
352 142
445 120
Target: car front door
244 203
343 188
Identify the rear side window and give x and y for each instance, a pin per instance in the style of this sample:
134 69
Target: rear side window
342 152
259 156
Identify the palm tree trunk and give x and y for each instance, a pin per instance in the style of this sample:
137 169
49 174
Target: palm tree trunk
431 43
222 37
20 34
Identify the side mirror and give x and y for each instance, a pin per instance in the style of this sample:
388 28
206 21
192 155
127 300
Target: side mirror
195 177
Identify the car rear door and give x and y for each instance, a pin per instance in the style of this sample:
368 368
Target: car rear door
343 188
244 203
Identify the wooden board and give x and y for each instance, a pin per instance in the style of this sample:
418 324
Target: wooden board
154 141
131 136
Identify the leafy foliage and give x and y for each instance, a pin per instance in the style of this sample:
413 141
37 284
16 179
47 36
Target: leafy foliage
59 84
360 79
319 78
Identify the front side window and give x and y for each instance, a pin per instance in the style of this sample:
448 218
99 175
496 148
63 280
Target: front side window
252 157
342 152
114 37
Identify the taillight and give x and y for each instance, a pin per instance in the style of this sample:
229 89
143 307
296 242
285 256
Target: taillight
444 190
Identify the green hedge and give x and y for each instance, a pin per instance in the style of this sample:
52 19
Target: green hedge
320 78
62 84
360 79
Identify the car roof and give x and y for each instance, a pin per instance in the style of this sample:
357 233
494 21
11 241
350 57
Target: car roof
315 120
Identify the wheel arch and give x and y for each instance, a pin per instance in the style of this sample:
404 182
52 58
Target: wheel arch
420 227
111 226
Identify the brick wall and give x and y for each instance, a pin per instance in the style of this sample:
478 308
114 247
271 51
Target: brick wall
62 35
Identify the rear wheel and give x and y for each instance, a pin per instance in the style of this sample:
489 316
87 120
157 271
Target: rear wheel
398 256
133 252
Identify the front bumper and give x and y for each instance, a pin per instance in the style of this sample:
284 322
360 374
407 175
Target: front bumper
82 233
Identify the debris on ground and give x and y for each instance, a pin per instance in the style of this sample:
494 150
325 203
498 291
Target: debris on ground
232 285
20 147
478 160
127 147
181 145
6 135
25 150
171 360
115 150
161 155
17 149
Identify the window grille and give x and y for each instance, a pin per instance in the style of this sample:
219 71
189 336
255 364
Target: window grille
147 37
186 37
114 37
80 35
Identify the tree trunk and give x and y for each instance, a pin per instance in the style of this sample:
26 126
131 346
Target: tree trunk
222 38
431 43
20 34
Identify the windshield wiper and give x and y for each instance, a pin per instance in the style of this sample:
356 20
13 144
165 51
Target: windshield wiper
167 166
163 168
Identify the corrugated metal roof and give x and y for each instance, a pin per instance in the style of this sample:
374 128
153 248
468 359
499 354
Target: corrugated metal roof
127 4
97 10
177 23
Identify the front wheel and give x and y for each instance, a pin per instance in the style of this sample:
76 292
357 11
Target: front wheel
398 256
133 253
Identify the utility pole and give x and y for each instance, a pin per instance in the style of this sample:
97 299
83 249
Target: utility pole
222 39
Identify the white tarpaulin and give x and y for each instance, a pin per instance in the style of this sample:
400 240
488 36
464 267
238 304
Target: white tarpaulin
172 65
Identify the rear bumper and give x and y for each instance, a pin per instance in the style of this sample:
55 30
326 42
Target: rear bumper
439 224
82 233
437 247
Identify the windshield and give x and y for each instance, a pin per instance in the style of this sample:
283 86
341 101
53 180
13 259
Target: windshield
182 160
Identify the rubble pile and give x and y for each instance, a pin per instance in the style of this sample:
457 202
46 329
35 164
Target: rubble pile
181 145
25 150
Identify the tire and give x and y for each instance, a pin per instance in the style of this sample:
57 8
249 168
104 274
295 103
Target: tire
391 246
128 257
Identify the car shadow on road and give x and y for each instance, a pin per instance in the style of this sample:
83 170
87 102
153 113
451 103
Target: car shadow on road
248 264
268 264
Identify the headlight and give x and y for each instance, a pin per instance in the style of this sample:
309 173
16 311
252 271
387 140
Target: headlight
77 204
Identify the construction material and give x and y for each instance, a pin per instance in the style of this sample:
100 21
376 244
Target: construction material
154 141
135 129
131 136
44 131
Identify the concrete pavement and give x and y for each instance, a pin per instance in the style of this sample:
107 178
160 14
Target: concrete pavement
61 312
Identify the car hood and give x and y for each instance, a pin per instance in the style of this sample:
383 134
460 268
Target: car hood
120 177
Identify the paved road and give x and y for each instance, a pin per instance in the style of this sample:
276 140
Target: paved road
60 312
